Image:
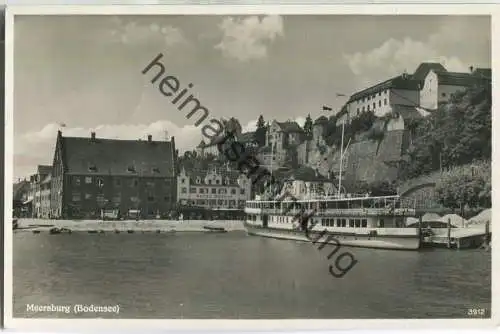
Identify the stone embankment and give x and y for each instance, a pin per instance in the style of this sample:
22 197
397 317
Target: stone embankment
43 225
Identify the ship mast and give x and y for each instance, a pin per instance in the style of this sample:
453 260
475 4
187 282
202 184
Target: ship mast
341 159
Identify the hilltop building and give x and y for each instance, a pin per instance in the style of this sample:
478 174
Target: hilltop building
91 176
421 92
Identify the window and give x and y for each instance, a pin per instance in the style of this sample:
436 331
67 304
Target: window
217 182
221 202
88 196
357 223
363 109
209 181
92 168
156 170
88 179
385 102
233 191
76 180
131 169
357 111
364 223
368 98
368 108
76 197
242 191
202 190
374 105
184 190
183 180
443 94
118 182
100 182
192 190
363 99
380 103
214 191
385 91
379 93
351 222
134 183
151 198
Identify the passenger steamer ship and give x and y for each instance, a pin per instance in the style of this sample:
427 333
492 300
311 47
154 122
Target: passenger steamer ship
350 220
360 221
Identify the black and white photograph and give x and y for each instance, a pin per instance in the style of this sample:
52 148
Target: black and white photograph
260 166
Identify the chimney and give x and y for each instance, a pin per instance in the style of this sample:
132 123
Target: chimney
471 68
92 135
150 138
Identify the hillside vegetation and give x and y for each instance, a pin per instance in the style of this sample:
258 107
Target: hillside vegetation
458 133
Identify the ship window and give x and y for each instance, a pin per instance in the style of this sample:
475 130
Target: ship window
351 222
364 223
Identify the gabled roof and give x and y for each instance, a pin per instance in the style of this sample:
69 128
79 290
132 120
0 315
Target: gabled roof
320 120
289 127
44 169
232 175
110 156
424 69
403 81
484 73
455 79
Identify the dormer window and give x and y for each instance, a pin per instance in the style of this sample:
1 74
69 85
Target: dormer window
131 169
198 180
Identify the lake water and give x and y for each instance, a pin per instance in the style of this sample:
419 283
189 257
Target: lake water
232 275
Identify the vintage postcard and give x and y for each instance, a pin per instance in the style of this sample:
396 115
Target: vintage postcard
249 168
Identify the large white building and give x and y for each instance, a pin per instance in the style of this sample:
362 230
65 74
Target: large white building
430 85
218 188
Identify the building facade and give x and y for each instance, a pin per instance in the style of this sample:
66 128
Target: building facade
92 176
36 184
218 188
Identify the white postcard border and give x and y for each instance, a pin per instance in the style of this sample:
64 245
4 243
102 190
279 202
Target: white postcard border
247 325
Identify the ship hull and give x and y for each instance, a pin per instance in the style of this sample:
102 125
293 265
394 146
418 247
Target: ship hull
409 241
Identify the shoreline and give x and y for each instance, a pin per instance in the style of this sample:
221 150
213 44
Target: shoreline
93 226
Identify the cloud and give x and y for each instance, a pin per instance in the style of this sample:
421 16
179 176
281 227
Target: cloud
395 56
248 38
37 147
135 34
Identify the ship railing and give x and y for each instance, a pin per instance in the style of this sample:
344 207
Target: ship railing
344 212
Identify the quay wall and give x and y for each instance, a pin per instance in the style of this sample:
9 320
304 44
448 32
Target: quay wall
125 225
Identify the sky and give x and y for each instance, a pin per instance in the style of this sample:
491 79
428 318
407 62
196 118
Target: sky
85 71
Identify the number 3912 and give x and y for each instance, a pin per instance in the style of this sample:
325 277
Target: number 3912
476 312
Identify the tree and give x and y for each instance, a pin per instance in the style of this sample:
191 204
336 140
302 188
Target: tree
260 133
308 126
466 185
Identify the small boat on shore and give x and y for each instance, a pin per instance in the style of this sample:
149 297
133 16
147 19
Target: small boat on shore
214 229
